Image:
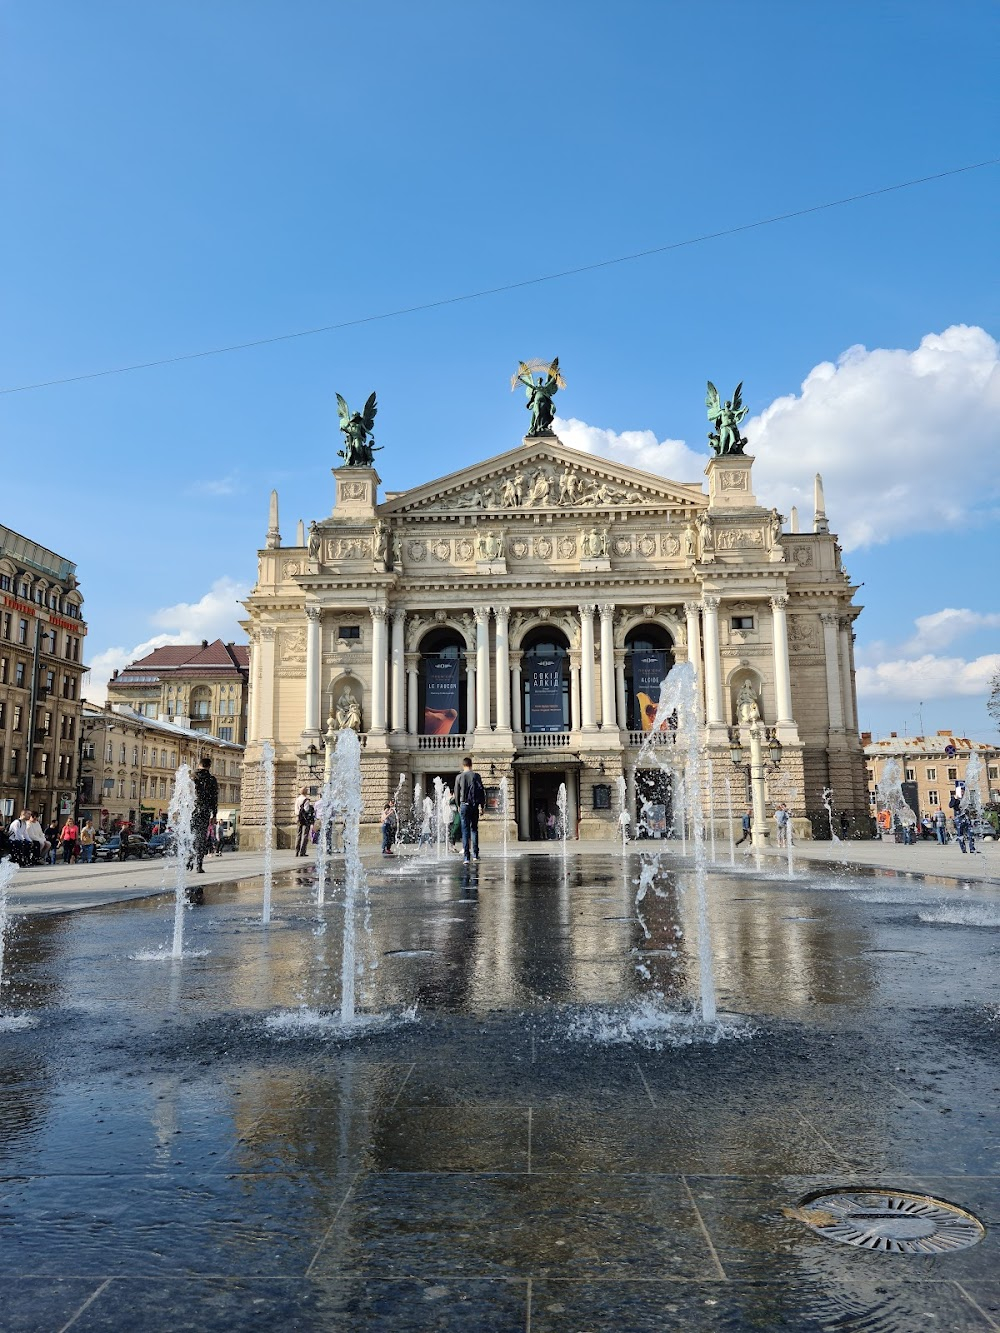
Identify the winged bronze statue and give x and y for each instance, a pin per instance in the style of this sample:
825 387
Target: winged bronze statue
540 393
359 442
726 417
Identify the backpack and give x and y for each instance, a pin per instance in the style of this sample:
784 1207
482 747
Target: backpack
307 812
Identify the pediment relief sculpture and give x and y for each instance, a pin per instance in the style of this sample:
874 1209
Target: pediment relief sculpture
545 487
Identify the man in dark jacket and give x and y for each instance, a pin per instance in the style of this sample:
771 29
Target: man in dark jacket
206 807
470 797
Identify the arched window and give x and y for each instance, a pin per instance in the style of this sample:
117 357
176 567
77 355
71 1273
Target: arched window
649 656
545 680
441 684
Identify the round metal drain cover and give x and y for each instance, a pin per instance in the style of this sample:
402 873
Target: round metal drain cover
890 1221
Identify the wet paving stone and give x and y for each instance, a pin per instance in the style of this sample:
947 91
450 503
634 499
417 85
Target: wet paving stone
195 1145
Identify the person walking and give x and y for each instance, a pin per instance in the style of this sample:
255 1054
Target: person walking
746 822
941 825
964 833
87 839
305 814
206 810
52 841
68 837
781 830
389 825
470 796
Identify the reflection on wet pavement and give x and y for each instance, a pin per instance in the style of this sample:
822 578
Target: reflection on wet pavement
481 1160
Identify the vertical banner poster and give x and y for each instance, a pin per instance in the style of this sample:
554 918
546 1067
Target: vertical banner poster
545 685
648 671
441 697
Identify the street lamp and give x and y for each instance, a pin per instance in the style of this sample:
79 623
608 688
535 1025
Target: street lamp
758 765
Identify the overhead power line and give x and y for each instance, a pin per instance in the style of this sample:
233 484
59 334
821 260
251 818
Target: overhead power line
506 287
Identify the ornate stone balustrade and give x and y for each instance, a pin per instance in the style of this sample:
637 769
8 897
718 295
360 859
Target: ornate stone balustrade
544 740
452 742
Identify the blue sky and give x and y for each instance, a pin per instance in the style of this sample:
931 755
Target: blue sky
183 176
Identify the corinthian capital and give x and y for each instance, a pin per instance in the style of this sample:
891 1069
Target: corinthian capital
710 603
398 616
314 614
482 614
586 610
779 603
501 615
828 618
607 610
379 613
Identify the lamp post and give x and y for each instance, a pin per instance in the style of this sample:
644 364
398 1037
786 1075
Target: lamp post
759 737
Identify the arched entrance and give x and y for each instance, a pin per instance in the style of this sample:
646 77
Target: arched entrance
649 657
545 709
442 693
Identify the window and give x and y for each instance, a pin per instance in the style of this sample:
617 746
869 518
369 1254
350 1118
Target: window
952 774
4 587
70 728
911 775
870 774
16 722
163 758
121 753
3 713
163 787
135 757
47 723
932 798
144 750
15 757
144 781
741 622
50 681
225 733
993 771
109 756
61 767
135 789
22 631
121 788
932 775
349 632
4 669
43 764
19 674
6 624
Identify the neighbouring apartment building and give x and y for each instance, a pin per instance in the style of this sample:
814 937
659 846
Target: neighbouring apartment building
128 764
201 686
41 665
931 767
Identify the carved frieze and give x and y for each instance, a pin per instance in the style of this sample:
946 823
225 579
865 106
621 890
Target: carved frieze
518 548
290 568
567 547
464 550
803 634
417 551
802 555
543 548
734 481
547 486
739 539
670 545
441 549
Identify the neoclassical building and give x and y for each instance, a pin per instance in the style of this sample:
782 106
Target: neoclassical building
521 609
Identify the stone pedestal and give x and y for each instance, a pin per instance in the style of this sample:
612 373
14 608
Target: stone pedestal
357 492
730 483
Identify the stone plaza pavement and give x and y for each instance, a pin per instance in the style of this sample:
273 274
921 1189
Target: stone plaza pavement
530 1130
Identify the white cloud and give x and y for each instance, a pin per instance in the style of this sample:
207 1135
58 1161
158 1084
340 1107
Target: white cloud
927 677
941 628
905 441
227 485
636 448
213 616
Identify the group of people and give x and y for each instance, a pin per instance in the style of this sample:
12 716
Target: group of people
469 796
28 844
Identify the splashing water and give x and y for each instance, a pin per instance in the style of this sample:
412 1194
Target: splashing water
180 816
427 823
891 787
7 872
502 811
267 765
623 819
972 797
827 798
440 829
324 841
563 821
732 835
347 799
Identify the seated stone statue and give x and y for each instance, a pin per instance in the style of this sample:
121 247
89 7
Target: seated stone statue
348 711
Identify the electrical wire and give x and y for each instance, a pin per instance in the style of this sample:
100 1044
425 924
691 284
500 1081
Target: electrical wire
506 287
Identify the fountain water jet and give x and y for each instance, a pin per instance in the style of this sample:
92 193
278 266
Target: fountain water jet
732 836
267 766
623 819
502 811
7 872
180 815
347 799
561 807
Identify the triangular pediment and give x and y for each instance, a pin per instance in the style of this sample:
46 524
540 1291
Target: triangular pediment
545 474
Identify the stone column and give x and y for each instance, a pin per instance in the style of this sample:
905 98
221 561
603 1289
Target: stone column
693 625
397 657
782 671
482 668
620 687
844 625
609 721
572 803
523 805
253 678
516 692
835 704
500 617
313 655
470 691
377 720
713 662
265 710
587 668
574 695
412 695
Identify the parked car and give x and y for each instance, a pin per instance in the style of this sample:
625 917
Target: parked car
110 850
160 844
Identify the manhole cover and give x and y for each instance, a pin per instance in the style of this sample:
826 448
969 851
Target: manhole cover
891 1221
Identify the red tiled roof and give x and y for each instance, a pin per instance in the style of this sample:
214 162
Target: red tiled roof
192 658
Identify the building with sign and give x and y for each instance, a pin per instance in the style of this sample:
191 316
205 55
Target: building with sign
201 686
41 665
525 610
931 768
128 764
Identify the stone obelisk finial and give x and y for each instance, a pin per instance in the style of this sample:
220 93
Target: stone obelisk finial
273 535
820 523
